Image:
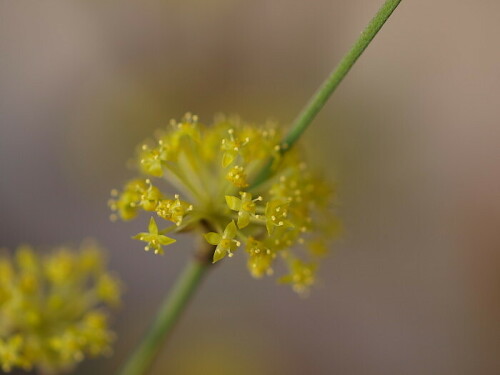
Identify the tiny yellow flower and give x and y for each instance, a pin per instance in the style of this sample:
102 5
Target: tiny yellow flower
231 147
260 258
69 346
155 240
301 275
225 242
150 197
245 206
151 161
173 209
94 330
108 289
277 214
59 267
237 176
127 203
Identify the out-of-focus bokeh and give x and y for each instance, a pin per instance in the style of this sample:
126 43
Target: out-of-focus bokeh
412 138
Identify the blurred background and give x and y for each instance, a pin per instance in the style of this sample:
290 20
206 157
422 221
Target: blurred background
411 137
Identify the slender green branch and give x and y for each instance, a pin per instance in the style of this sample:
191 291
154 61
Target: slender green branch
326 90
322 95
140 362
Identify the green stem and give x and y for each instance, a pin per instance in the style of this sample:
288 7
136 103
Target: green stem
319 99
167 316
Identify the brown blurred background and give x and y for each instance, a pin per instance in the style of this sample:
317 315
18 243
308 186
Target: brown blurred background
411 136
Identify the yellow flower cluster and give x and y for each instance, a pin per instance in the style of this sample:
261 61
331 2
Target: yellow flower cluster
52 308
212 167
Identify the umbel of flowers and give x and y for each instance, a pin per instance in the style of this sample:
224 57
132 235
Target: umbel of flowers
286 217
52 308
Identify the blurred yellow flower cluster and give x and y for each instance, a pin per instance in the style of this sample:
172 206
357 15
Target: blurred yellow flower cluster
52 308
212 168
